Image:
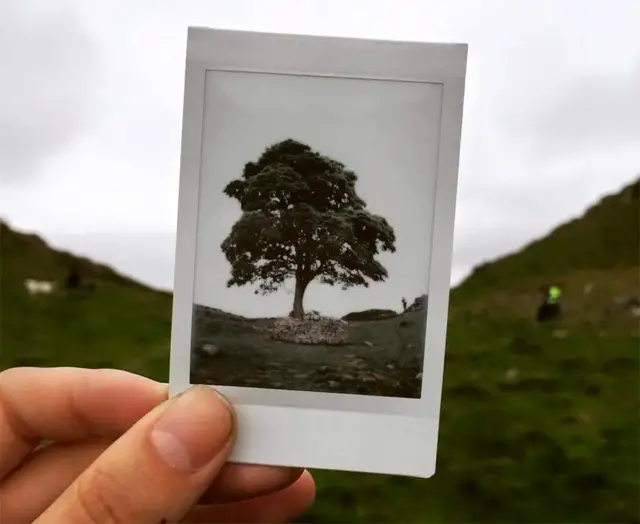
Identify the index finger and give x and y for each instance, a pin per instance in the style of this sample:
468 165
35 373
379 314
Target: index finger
63 404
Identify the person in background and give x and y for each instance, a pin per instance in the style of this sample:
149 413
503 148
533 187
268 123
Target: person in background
549 309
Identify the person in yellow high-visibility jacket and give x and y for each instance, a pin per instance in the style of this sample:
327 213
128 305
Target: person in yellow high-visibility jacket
553 295
550 307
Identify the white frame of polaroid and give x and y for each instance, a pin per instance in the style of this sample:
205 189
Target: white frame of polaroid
308 429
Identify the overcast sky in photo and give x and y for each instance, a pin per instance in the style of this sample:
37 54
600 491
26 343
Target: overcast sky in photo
90 119
386 132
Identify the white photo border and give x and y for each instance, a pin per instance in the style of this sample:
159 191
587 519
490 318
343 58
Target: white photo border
315 429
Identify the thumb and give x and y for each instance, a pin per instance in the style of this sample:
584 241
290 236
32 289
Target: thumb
157 471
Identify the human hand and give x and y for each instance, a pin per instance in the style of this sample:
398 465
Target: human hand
120 452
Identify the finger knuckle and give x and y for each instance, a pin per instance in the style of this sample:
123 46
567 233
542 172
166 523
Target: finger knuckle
103 499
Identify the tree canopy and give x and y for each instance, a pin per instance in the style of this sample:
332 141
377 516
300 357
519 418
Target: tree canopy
302 219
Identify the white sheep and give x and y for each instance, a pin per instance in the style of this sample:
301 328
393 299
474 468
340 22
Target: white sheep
38 287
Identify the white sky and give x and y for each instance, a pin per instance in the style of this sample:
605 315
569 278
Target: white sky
92 101
386 132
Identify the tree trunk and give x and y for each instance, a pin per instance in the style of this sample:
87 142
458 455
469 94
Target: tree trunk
298 309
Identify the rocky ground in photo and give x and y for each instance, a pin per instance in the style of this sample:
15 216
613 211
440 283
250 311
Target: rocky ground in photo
313 329
373 357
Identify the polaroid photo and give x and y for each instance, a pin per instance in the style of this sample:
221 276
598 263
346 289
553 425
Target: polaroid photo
317 197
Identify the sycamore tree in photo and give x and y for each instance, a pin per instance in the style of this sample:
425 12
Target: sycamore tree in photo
302 219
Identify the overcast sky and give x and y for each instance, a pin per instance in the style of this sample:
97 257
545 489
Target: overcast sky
92 99
386 132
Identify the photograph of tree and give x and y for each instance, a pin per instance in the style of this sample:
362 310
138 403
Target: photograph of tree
294 232
302 219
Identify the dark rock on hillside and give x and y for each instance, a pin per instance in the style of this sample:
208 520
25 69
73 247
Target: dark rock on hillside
370 314
419 304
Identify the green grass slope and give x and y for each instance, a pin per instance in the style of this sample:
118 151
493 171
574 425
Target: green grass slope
539 424
605 237
120 324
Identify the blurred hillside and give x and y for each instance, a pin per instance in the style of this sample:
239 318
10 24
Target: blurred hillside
539 423
121 323
605 237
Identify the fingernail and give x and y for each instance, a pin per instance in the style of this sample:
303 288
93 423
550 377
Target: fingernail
193 430
296 473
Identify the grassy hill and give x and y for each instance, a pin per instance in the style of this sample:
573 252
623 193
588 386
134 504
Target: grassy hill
120 324
539 423
604 238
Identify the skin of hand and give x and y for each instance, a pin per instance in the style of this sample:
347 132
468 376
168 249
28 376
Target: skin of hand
109 447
